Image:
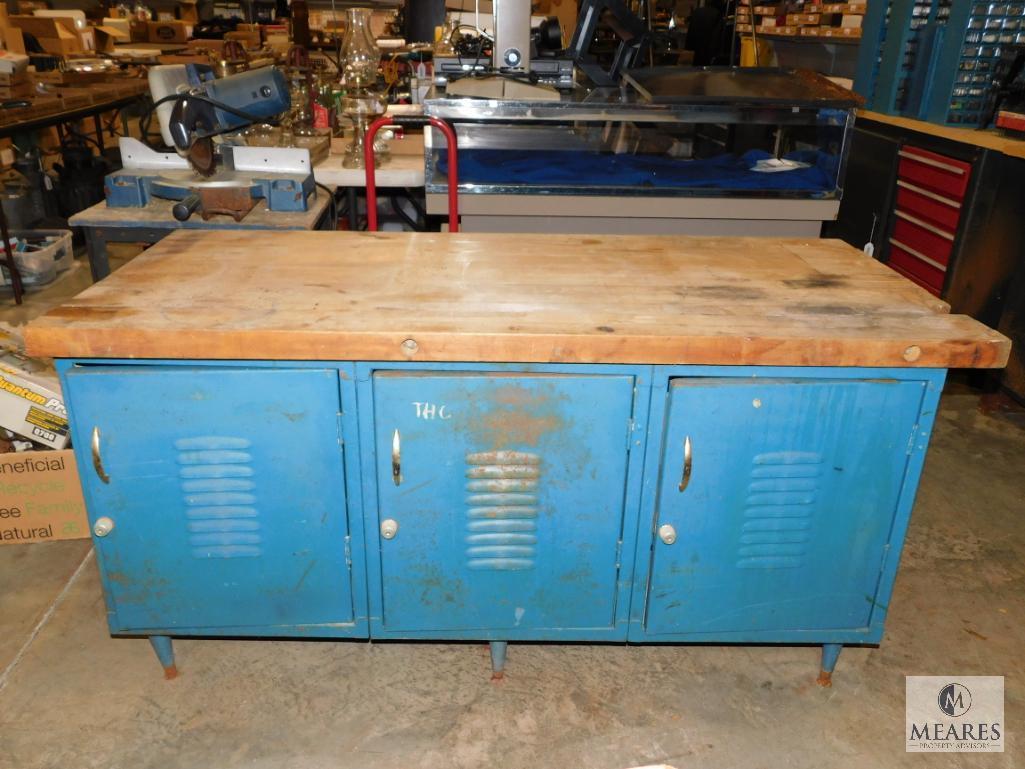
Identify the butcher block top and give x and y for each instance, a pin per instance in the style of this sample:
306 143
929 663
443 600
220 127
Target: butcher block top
512 298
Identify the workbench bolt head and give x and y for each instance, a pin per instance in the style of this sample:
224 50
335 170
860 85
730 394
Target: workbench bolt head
389 528
103 526
912 353
757 403
410 346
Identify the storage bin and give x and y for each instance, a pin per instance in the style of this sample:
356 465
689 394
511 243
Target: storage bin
41 266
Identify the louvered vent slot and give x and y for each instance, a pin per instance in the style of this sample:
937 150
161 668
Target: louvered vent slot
216 476
502 507
781 498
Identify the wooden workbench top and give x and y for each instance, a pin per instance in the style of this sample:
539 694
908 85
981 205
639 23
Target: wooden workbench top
512 298
989 138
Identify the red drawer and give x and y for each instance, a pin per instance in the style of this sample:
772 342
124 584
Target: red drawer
943 212
921 270
915 279
936 173
922 237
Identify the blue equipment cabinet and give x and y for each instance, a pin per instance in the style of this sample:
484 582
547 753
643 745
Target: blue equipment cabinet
320 492
500 502
772 487
226 486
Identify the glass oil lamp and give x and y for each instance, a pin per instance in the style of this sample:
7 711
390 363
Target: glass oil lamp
362 103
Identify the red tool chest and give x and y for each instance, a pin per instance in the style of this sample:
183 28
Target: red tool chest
930 190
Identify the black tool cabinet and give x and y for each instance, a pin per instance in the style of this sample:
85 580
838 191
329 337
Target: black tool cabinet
962 207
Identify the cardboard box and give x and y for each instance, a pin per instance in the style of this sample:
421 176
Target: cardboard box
138 31
41 498
28 6
11 38
187 11
168 32
206 46
17 91
13 67
55 34
250 40
9 81
107 38
122 24
851 20
31 402
802 19
853 32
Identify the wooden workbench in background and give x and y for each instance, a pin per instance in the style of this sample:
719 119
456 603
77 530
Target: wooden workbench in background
974 253
988 138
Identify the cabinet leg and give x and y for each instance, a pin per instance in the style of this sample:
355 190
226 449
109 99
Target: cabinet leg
830 654
498 659
162 646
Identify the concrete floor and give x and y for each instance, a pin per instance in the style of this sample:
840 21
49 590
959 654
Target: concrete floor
71 696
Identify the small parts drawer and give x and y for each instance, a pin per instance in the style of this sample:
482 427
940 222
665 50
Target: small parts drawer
913 264
935 173
943 212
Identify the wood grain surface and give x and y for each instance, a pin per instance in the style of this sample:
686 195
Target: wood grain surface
512 298
158 214
989 138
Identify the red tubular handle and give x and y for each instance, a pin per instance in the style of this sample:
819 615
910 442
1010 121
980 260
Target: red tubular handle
453 167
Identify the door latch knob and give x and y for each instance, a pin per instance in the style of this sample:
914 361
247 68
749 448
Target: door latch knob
667 533
103 526
389 528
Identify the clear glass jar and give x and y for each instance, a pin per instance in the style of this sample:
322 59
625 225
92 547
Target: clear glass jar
361 56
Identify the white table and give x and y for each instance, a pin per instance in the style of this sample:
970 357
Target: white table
403 167
396 171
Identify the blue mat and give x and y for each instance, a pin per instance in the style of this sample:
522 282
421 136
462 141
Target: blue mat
555 168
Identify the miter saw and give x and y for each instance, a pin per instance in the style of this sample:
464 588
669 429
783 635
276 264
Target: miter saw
213 177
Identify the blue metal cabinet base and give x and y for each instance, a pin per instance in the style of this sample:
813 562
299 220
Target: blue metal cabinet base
499 502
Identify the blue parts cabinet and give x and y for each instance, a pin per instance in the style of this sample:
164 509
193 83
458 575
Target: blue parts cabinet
379 436
775 503
936 60
218 498
498 504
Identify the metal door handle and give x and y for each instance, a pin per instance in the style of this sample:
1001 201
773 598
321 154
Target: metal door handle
97 459
687 456
396 458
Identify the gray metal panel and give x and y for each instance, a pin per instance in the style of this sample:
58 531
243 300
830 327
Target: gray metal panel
599 206
569 225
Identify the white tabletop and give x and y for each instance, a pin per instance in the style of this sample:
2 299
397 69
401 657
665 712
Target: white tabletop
395 171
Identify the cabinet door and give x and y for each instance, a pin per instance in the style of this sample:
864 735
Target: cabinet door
507 491
784 519
226 490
